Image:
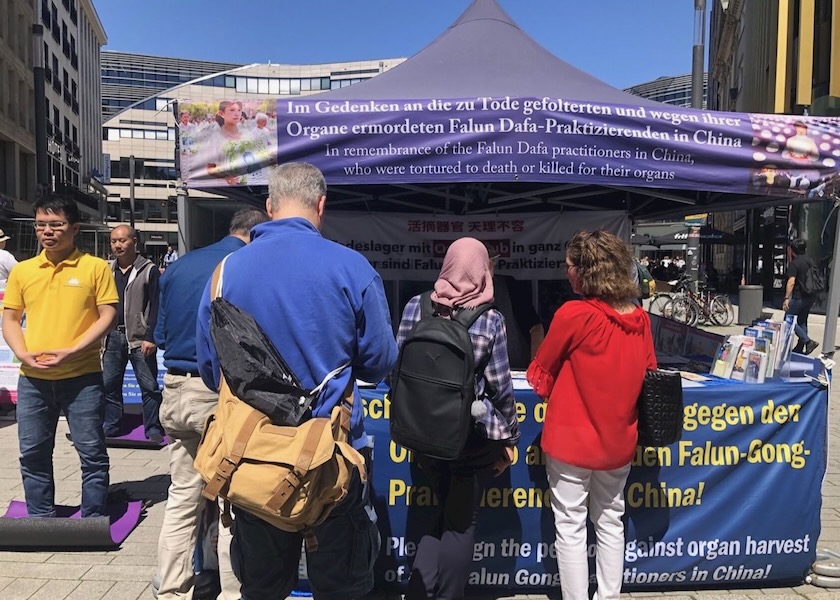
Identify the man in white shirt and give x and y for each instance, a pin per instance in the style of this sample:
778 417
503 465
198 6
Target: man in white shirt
170 257
7 261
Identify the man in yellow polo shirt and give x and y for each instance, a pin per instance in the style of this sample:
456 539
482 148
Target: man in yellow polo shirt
70 302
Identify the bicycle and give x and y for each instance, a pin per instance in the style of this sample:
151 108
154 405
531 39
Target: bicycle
660 301
690 307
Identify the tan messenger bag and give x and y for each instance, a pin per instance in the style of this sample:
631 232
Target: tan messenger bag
291 477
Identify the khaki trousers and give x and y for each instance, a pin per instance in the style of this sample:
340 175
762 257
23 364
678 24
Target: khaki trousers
187 403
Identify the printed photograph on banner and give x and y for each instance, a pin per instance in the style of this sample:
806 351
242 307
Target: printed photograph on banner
795 155
226 143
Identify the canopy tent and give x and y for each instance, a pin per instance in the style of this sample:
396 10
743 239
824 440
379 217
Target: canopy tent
484 120
424 136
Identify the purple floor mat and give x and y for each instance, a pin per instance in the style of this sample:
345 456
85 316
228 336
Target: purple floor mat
134 435
68 529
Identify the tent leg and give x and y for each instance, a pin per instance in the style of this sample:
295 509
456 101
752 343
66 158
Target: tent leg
833 304
184 209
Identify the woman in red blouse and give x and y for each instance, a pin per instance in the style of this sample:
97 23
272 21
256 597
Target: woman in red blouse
590 370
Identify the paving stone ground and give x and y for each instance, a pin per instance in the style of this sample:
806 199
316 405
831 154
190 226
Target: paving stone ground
124 574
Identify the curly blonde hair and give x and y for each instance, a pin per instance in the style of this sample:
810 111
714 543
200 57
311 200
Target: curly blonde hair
604 265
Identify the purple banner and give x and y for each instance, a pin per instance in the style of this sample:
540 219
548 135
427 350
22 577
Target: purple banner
525 139
543 139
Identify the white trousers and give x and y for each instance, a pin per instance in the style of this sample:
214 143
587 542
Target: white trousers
572 488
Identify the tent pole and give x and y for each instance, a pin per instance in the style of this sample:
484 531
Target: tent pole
184 209
833 303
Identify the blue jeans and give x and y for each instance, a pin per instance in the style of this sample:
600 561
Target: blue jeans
39 403
800 308
114 360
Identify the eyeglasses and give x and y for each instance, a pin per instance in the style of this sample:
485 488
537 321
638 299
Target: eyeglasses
51 224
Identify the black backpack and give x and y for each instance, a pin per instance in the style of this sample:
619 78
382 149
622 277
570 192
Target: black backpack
433 385
812 282
645 279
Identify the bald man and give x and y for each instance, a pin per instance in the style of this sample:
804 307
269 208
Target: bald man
133 339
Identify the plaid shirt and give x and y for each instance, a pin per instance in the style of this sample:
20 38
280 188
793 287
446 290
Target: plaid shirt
488 337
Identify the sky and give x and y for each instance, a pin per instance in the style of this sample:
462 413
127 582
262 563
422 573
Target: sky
622 42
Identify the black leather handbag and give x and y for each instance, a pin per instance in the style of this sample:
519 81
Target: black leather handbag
660 409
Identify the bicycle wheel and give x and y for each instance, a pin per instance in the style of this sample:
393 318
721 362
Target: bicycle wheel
721 311
682 310
696 312
730 309
657 303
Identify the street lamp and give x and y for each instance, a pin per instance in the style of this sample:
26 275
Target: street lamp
41 155
697 58
131 190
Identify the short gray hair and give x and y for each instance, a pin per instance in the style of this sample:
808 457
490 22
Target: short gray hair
298 182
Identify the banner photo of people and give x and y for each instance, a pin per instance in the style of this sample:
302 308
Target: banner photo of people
400 243
509 138
227 143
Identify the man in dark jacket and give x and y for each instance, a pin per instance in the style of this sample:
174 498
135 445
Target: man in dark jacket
133 339
797 302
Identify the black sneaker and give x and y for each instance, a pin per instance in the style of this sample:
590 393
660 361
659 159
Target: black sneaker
810 346
156 438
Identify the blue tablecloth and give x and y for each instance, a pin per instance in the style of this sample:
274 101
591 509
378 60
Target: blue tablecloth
735 503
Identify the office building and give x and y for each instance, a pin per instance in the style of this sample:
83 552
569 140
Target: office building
17 115
72 39
69 37
128 77
146 131
669 90
777 57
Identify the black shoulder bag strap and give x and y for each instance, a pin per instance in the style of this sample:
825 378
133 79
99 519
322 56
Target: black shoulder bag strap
466 317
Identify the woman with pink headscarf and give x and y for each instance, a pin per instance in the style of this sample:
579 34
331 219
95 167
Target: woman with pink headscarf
444 555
